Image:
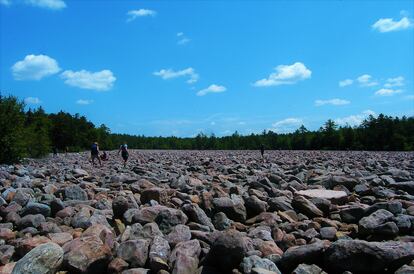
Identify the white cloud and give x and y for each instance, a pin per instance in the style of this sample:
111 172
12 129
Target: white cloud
395 82
182 39
345 82
285 75
134 14
354 120
365 80
5 2
170 74
286 125
211 89
388 24
32 101
47 4
84 102
334 102
34 67
101 80
387 92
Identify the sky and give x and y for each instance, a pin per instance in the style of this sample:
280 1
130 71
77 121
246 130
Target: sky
162 68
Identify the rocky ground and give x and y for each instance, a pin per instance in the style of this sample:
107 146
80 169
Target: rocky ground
210 212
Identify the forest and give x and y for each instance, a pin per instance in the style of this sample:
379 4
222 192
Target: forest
34 133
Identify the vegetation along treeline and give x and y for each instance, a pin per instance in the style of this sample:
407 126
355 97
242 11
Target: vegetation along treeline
34 133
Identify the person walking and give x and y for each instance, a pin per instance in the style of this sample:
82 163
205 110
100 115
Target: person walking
124 152
262 149
95 153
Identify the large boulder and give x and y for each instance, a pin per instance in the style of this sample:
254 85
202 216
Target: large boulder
309 254
135 252
44 259
227 251
306 207
233 207
360 256
86 254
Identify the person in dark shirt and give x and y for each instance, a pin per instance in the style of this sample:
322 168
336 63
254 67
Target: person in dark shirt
124 152
95 153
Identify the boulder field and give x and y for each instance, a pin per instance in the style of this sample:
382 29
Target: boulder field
194 212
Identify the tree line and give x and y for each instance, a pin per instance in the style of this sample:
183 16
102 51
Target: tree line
34 133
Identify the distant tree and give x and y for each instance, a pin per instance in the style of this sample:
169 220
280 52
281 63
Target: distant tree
12 117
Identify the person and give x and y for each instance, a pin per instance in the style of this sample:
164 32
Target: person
54 151
95 153
262 150
124 152
104 156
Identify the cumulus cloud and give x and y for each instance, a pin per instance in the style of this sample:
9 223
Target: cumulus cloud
84 102
5 2
366 80
345 82
32 101
100 81
182 39
170 74
34 67
48 4
211 89
285 75
354 120
334 102
387 92
388 24
394 82
134 14
286 125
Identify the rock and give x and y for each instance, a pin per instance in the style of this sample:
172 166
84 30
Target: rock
77 172
309 254
75 192
196 214
44 259
227 251
405 269
254 261
179 233
60 238
279 204
377 223
159 254
167 219
135 252
119 206
157 194
117 265
233 207
255 206
306 207
270 248
86 254
31 221
352 214
405 186
323 193
367 257
221 222
328 233
184 257
308 269
36 208
6 253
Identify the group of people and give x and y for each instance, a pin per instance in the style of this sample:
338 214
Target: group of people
123 149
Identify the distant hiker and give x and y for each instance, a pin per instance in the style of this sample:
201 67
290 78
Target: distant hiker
95 153
124 152
262 149
104 156
66 150
55 151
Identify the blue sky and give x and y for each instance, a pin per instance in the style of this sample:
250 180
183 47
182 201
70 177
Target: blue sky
179 68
